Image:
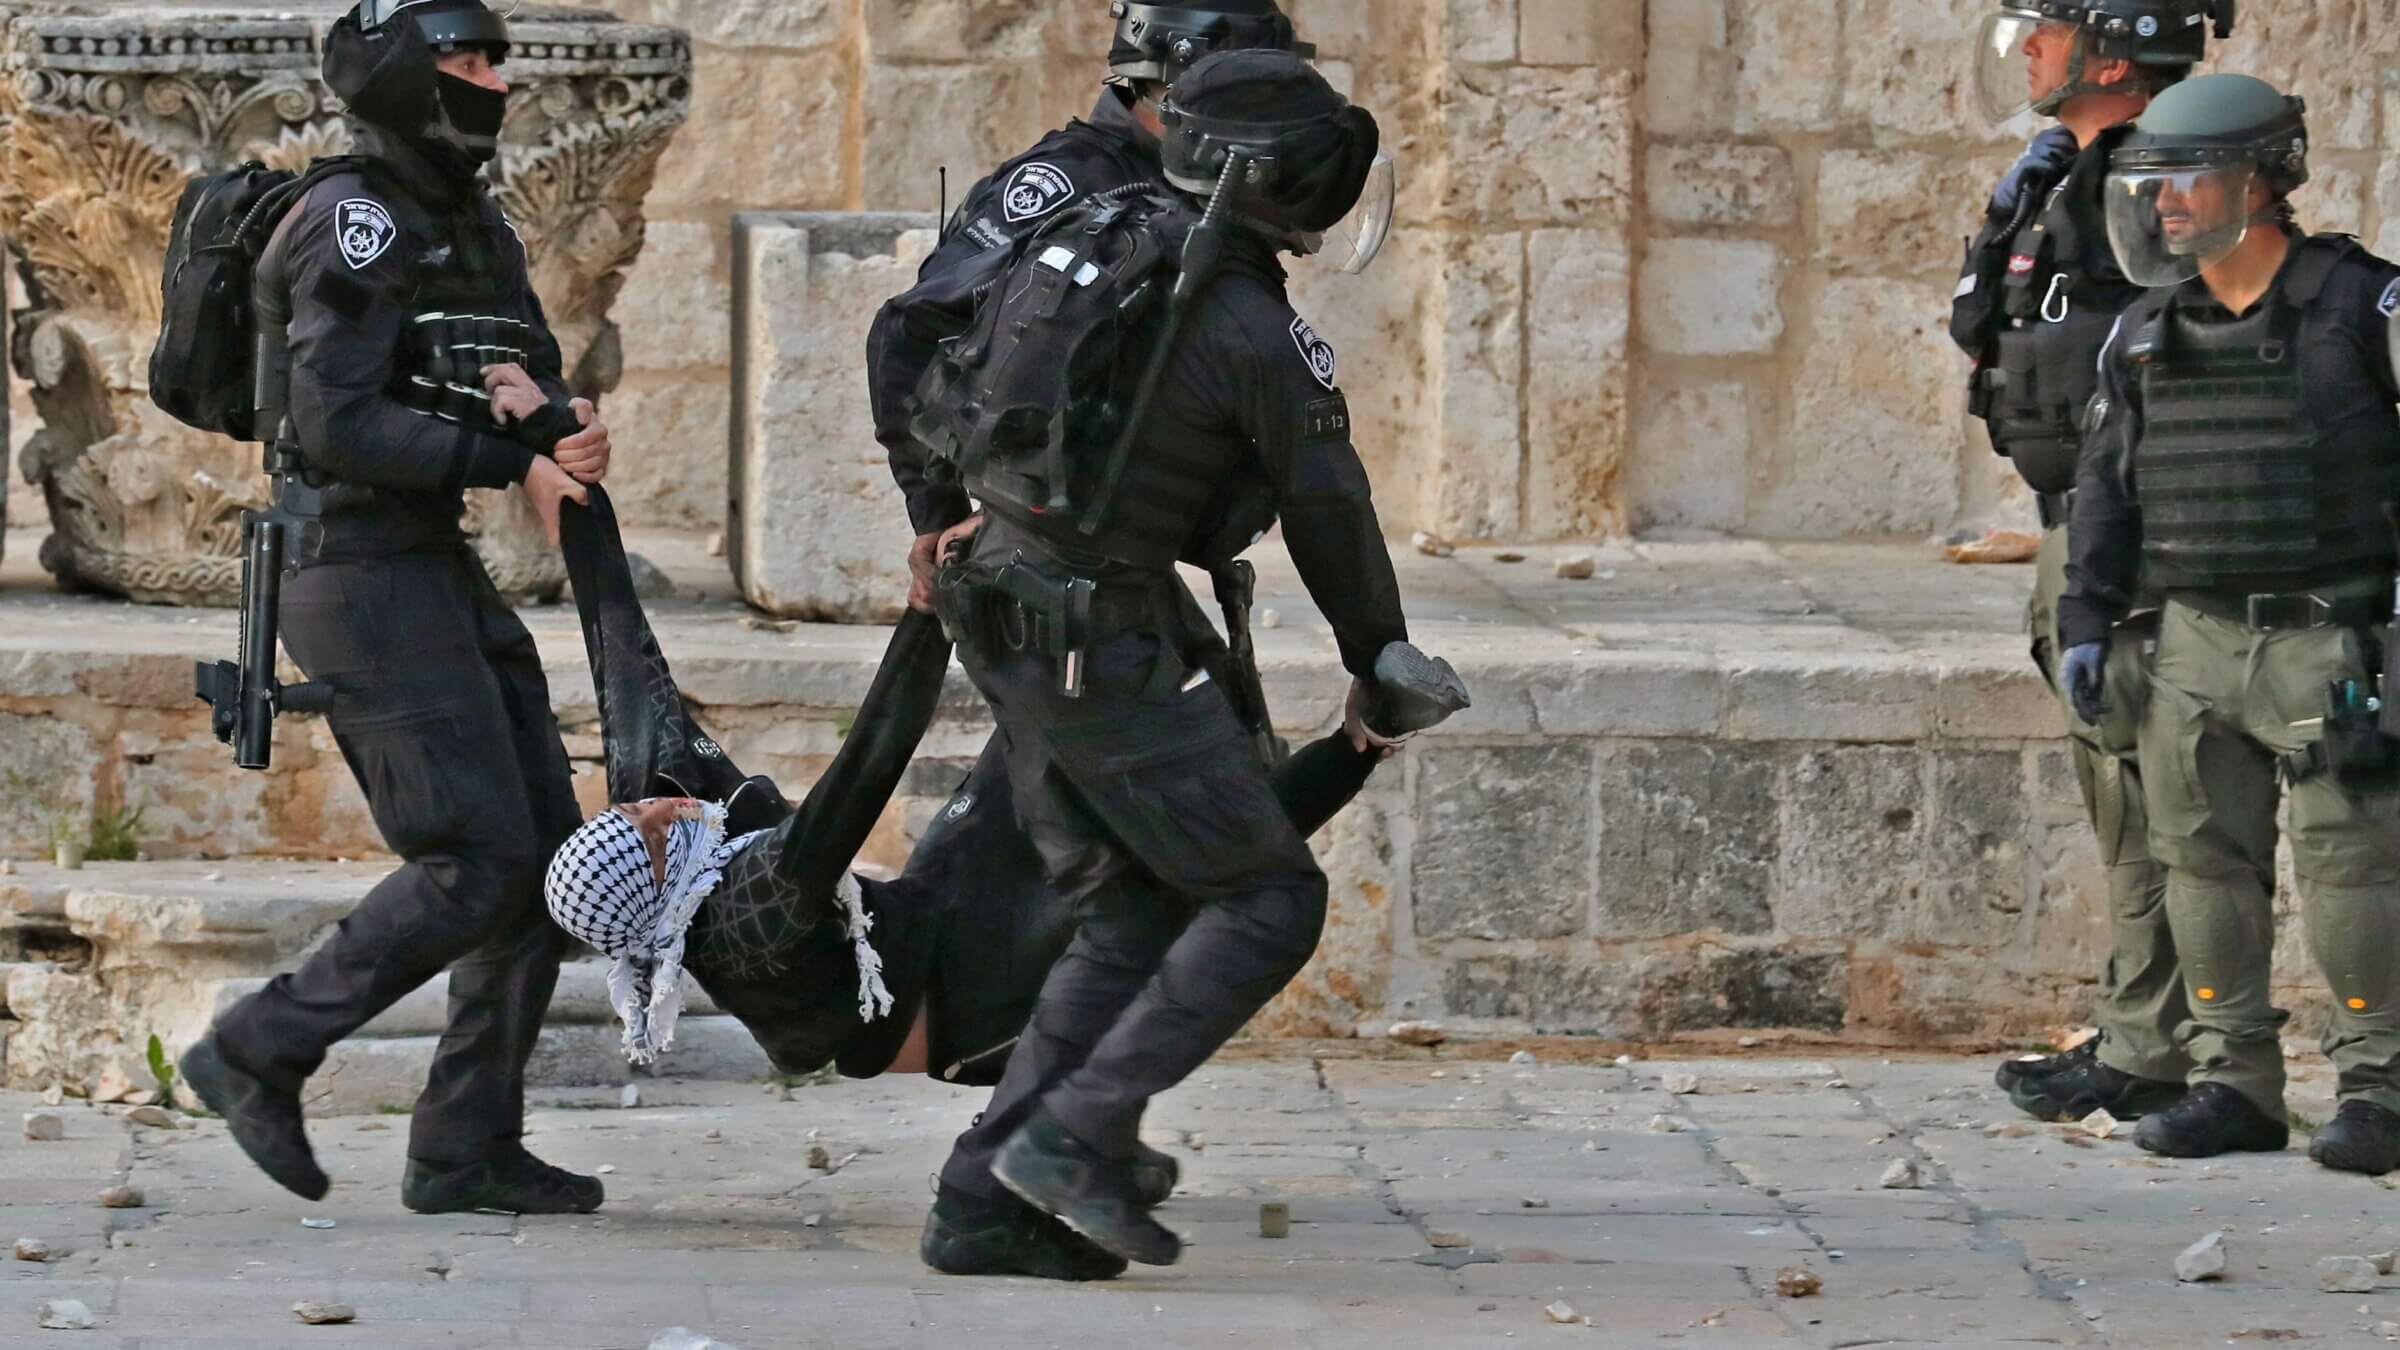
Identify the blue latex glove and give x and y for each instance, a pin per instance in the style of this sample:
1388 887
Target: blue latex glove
2046 156
2083 675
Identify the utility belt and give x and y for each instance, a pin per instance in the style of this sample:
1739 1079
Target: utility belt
2356 742
1022 606
2289 611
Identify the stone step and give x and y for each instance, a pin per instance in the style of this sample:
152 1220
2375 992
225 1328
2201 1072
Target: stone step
93 962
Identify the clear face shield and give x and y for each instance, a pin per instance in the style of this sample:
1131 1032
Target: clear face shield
1354 241
374 14
2020 60
2167 223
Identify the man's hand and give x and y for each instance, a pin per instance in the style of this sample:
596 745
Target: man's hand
2047 155
584 455
957 541
546 485
2084 675
1354 722
921 567
514 394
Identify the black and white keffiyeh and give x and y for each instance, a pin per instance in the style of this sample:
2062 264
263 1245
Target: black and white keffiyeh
600 888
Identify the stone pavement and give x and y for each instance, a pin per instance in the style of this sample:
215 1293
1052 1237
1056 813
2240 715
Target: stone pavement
1662 1217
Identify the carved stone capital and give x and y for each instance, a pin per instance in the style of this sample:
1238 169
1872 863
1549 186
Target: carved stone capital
107 111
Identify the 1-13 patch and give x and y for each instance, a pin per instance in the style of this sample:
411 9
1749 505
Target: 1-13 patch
1315 350
1035 190
1328 419
365 230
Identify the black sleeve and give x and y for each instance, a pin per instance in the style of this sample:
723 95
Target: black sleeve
1300 423
2104 541
2375 320
349 310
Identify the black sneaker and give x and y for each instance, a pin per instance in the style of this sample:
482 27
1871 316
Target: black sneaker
263 1118
2212 1119
2072 1094
515 1183
969 1235
1055 1173
1154 1176
2013 1071
2361 1137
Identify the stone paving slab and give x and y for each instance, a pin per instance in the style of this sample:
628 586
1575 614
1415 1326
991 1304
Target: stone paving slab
716 1222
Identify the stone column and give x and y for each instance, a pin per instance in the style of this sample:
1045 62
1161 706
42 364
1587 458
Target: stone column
107 111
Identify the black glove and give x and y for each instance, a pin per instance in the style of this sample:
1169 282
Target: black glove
542 429
2046 156
2084 676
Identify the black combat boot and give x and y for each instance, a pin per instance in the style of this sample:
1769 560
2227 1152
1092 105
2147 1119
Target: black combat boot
2013 1071
2212 1119
969 1235
1154 1176
2073 1093
263 1117
514 1183
2361 1137
1057 1174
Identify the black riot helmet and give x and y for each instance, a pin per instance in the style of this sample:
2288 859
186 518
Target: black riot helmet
2163 39
1267 136
381 57
1159 43
2180 187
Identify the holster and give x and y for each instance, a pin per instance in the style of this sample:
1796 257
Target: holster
1019 607
1236 584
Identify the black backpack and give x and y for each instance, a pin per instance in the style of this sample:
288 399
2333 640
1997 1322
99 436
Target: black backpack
1046 367
202 369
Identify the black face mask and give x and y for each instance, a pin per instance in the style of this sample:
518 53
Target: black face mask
468 118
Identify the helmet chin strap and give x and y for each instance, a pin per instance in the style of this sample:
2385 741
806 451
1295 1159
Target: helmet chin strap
2072 87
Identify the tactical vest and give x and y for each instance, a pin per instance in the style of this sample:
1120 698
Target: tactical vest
2059 299
461 318
2233 477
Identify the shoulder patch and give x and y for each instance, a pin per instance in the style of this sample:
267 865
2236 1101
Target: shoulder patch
706 748
959 806
1328 419
2390 303
365 230
1034 190
1314 350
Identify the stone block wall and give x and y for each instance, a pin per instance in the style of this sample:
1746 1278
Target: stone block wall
1662 264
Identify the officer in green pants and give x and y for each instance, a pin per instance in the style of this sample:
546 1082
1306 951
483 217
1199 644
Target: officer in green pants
2038 295
2244 462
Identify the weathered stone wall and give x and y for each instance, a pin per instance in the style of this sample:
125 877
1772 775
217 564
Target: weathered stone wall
1662 263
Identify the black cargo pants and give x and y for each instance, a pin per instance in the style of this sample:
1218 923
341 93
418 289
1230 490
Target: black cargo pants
444 718
1197 899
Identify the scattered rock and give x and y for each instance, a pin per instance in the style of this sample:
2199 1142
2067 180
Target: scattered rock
757 624
1576 567
1487 1307
2100 1124
2012 1130
66 1314
1750 1042
1270 618
34 1249
1523 1057
1508 557
324 1314
1594 1146
684 1338
604 1169
1665 1125
2390 1331
1418 1033
2346 1275
111 1084
1533 1202
121 1197
156 1117
716 544
650 581
2384 1261
1837 1083
1432 545
2202 1261
1796 1282
1274 1219
818 1159
1624 1061
811 1220
7 868
139 1097
1442 1239
42 1127
54 1095
713 1137
631 1097
1901 1175
319 1224
438 1263
1563 1313
1680 1084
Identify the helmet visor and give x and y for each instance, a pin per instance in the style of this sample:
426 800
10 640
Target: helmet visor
1354 241
2009 64
374 14
2167 223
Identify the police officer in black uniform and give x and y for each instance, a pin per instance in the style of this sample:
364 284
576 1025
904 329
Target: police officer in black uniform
1150 808
1117 145
2036 299
2245 466
420 365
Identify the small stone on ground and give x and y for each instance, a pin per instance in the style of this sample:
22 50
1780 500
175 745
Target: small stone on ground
1563 1313
33 1249
2346 1275
121 1197
1902 1175
2203 1260
65 1314
324 1314
1418 1033
1797 1282
43 1127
